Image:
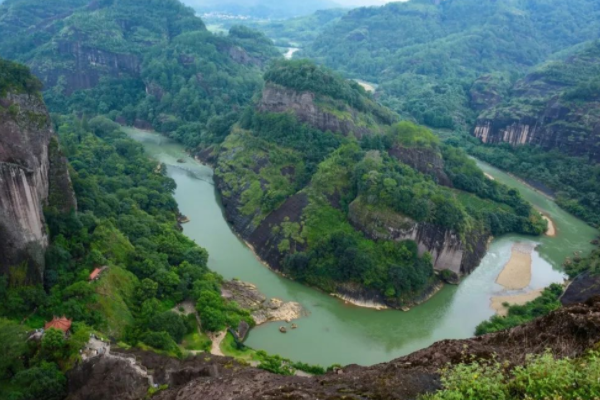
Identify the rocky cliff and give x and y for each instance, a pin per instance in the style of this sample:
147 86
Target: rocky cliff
31 168
448 250
320 112
557 106
426 160
568 332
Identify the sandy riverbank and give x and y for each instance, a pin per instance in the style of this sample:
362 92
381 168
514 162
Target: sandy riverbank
489 176
514 300
516 274
551 231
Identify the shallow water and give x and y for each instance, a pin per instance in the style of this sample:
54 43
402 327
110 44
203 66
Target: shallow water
338 333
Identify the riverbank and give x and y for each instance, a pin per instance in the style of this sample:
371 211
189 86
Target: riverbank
497 303
516 274
374 336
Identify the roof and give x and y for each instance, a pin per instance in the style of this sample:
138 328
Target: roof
95 273
62 324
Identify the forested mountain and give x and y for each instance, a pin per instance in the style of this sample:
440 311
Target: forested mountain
125 221
262 9
427 54
546 127
150 63
329 188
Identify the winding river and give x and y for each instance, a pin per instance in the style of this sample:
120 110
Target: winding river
338 333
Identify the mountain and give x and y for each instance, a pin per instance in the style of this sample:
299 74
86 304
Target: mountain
330 189
556 106
425 55
262 9
152 64
33 176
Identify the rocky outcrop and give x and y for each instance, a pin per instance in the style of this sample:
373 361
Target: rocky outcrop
448 250
425 160
263 310
86 67
581 288
31 169
567 332
277 99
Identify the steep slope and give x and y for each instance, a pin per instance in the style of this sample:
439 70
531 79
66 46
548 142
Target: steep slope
328 189
33 175
568 332
425 54
557 106
152 64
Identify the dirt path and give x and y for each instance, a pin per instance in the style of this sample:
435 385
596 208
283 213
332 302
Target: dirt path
514 300
217 338
516 274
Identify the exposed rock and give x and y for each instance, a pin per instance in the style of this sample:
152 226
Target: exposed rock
33 174
568 332
425 160
262 310
582 288
277 99
449 252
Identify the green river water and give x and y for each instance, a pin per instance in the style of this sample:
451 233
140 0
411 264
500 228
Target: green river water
338 333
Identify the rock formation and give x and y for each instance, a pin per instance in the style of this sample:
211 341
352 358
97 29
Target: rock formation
567 332
33 175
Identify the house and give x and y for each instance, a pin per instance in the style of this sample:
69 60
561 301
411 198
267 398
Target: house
62 324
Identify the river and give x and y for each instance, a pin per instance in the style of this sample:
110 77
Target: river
338 333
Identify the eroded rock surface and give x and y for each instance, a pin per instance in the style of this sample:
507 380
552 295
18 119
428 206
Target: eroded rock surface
567 332
262 309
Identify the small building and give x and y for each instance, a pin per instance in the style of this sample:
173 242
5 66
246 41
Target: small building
62 324
95 275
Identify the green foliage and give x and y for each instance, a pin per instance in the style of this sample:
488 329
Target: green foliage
518 315
161 341
12 347
17 78
304 75
542 377
170 322
574 180
579 265
43 382
410 135
426 55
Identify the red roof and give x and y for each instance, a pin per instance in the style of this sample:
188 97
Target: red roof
62 324
95 273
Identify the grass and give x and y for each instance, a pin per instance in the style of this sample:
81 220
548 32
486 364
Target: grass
115 288
229 348
196 342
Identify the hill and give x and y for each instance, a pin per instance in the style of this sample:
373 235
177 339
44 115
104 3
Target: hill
427 54
329 188
152 64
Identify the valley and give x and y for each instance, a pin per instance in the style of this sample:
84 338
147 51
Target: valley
333 327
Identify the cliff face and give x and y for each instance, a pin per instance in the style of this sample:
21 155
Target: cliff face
557 106
568 332
87 66
30 168
573 130
277 99
448 250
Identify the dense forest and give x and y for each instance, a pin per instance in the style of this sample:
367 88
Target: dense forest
152 64
426 55
127 222
272 158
